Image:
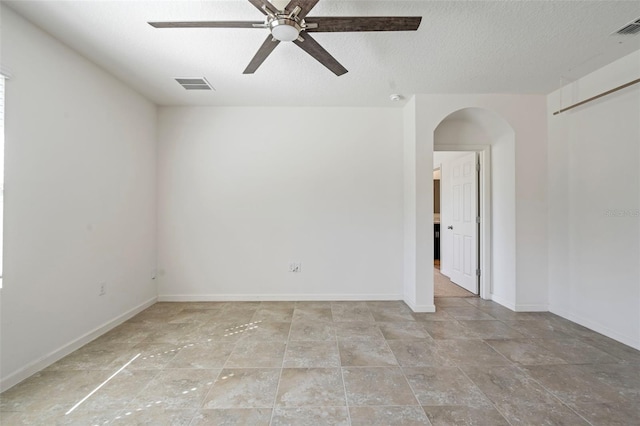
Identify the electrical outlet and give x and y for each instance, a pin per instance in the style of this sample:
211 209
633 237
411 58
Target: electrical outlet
295 267
103 289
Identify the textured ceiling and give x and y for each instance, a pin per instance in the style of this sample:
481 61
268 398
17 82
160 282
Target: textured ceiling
460 47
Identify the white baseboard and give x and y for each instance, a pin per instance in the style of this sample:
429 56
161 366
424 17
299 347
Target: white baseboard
532 308
45 361
519 307
273 297
421 308
597 327
504 302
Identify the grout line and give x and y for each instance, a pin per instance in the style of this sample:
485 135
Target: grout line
485 395
101 385
344 384
284 354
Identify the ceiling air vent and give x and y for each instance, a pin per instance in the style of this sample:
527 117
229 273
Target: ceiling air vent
194 83
630 29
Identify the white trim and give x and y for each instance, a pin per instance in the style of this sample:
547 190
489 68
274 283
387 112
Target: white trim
45 361
484 155
420 308
532 308
598 328
273 297
504 302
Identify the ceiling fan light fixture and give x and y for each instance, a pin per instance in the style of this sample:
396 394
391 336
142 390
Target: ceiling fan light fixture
285 29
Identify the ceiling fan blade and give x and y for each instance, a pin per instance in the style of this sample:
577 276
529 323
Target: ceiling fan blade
260 3
207 24
265 50
304 5
364 23
312 47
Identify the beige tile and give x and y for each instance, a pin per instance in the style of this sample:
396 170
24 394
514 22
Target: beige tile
508 385
542 414
357 331
176 334
525 351
227 331
459 415
385 416
439 315
312 314
392 315
622 352
351 311
374 352
537 329
377 386
307 330
244 388
235 315
193 316
436 386
313 304
177 389
418 353
470 352
257 353
276 314
571 384
467 313
153 356
447 330
575 351
268 330
609 413
277 305
153 416
117 393
490 329
128 332
97 355
74 418
403 330
233 417
625 378
310 416
241 306
315 387
51 390
312 354
465 302
205 355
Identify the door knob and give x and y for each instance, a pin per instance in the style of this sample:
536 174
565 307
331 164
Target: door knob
450 227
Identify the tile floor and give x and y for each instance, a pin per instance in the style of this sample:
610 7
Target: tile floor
337 363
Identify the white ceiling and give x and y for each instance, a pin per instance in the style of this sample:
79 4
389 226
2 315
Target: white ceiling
460 47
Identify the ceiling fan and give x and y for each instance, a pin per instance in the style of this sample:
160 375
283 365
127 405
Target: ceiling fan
288 21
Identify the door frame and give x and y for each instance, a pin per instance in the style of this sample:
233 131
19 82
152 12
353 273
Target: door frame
484 237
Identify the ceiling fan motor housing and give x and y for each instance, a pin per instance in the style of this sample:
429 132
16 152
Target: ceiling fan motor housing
284 28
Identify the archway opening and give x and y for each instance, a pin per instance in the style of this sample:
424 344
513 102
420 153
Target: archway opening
483 131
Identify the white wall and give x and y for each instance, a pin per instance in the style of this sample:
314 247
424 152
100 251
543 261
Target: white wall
79 202
244 191
594 190
526 114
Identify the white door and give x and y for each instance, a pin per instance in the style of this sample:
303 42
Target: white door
461 225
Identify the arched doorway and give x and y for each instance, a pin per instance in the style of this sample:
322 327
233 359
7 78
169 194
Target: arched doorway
492 137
